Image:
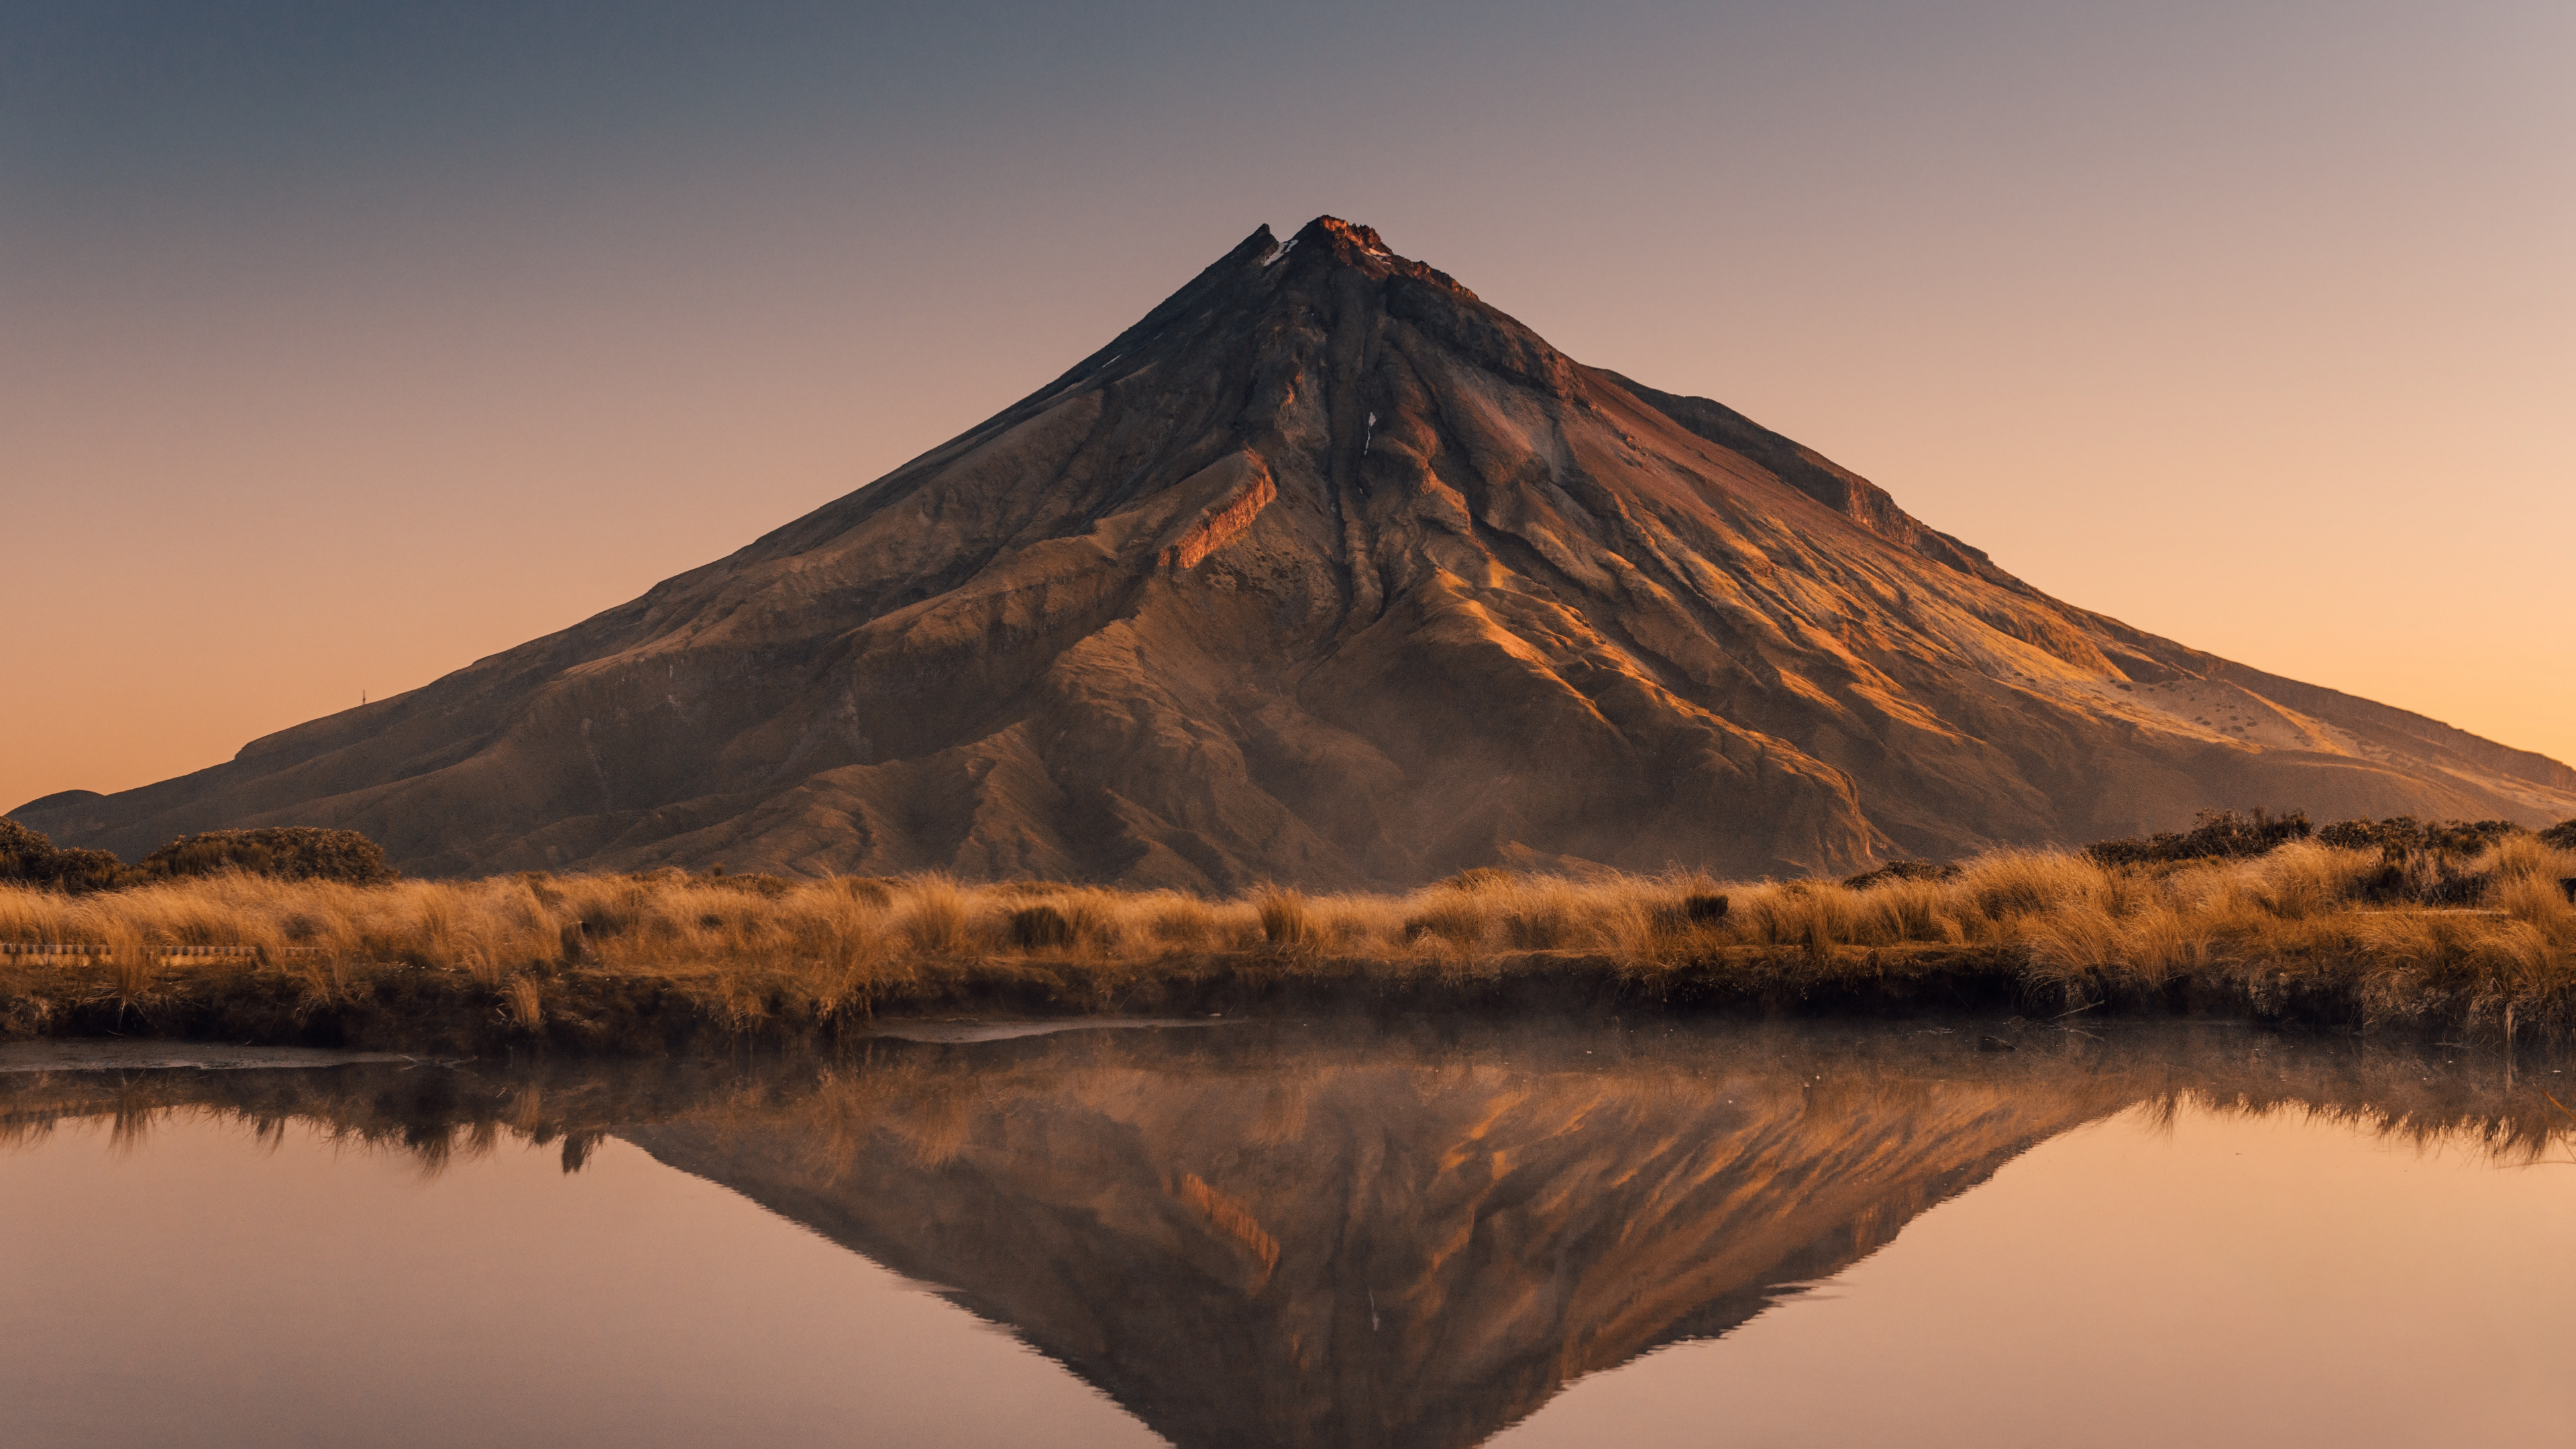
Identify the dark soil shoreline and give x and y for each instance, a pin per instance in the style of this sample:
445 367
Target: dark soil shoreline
587 1011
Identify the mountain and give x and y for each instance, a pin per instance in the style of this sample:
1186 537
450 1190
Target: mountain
1323 1239
1328 572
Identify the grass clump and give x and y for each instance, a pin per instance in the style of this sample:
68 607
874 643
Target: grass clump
1038 928
1285 922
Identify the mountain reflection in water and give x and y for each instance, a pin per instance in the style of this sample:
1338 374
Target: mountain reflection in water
1344 1234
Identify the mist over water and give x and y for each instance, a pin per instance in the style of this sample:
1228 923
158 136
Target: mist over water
1305 1234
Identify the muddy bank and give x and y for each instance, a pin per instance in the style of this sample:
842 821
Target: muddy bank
405 1008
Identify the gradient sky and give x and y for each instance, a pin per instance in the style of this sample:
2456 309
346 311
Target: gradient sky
341 345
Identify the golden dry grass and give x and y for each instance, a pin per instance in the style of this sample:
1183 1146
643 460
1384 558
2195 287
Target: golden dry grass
2287 934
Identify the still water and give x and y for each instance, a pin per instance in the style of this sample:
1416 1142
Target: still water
1301 1234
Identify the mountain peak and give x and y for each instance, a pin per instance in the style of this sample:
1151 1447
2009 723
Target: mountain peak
1347 239
1331 241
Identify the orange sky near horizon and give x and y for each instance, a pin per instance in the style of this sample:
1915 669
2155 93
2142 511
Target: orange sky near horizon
2250 329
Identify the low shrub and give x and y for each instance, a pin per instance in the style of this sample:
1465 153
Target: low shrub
2423 862
767 887
2400 833
1896 870
28 857
25 855
2218 835
285 852
2425 877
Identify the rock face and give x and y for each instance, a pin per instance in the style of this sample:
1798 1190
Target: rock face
1328 572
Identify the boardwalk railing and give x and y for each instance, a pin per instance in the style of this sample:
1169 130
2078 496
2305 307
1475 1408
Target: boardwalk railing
100 950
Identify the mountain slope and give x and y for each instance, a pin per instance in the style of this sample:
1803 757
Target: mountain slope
1327 571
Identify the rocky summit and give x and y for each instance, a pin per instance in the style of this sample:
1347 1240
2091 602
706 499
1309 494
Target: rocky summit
1328 572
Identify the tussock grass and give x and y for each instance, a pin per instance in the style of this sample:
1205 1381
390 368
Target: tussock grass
2300 933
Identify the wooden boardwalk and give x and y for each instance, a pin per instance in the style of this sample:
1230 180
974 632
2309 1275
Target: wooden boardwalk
100 951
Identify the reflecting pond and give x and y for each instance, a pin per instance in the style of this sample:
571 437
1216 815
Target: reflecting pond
1321 1233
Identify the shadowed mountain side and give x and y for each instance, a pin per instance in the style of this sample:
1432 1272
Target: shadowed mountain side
1406 1247
1328 572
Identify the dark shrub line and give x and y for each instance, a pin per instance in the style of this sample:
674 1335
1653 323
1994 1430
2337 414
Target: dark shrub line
2218 835
2421 861
1901 870
282 852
